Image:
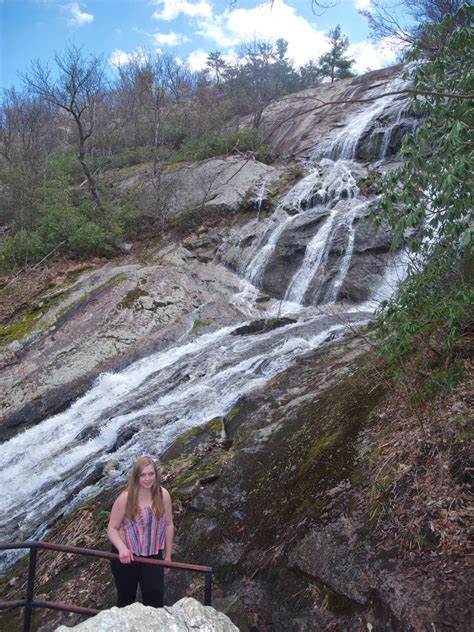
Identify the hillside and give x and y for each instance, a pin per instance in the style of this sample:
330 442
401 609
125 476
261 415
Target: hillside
237 344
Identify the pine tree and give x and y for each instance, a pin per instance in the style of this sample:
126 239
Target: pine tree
334 64
216 67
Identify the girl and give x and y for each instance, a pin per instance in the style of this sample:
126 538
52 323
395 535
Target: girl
141 523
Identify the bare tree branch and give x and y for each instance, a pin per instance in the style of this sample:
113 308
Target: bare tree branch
77 91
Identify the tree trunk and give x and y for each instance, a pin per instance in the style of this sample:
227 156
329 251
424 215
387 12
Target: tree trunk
82 159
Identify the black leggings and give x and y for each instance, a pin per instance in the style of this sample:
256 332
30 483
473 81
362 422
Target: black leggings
128 576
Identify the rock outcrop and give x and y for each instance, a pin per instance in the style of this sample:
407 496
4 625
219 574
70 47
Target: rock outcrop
268 482
221 185
101 320
325 213
312 123
187 614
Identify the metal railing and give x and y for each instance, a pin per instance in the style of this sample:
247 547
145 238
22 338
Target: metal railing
29 603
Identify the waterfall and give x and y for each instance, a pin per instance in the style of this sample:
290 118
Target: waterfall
329 181
154 400
344 143
254 269
51 467
315 254
348 222
261 197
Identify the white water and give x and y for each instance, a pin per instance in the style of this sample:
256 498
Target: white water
256 266
348 221
44 470
261 197
315 256
343 144
161 397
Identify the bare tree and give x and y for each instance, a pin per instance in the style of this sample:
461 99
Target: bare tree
408 22
27 135
26 127
76 87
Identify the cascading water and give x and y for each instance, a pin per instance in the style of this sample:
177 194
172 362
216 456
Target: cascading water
348 221
49 468
314 258
261 197
155 399
254 269
344 144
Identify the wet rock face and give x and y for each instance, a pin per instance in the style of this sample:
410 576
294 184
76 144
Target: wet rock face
106 319
370 255
262 326
330 554
309 124
288 457
281 524
318 247
290 251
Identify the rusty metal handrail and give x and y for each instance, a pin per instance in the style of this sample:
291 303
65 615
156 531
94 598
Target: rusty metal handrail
29 603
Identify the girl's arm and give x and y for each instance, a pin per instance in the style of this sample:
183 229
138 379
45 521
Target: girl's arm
116 518
169 526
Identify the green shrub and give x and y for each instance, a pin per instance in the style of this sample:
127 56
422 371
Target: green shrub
428 206
125 220
24 247
222 143
91 239
213 144
129 157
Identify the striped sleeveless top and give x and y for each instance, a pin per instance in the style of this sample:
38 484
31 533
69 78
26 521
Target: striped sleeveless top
145 535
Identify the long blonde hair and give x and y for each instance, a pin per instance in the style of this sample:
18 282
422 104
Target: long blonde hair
133 486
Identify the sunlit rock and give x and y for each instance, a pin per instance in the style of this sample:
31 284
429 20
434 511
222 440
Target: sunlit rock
187 614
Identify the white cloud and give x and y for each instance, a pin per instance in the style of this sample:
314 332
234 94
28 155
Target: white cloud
77 17
172 8
121 58
266 21
369 56
171 39
217 30
197 59
362 5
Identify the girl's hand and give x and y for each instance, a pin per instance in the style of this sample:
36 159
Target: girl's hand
125 556
167 570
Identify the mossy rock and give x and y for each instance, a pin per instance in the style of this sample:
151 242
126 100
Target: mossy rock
186 443
131 297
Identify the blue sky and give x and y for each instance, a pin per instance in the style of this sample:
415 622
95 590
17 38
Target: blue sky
188 29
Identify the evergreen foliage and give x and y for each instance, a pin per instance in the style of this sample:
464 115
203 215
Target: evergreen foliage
428 205
264 73
64 218
334 64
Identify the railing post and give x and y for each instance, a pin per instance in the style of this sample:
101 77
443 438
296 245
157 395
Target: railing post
30 589
207 588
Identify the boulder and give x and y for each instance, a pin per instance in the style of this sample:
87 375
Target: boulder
330 554
187 614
